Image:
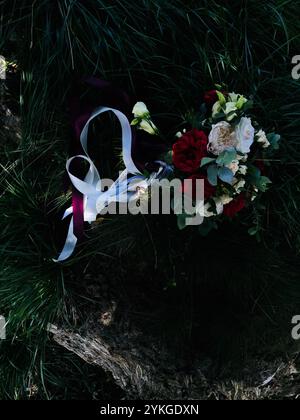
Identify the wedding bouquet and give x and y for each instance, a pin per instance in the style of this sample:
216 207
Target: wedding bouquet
226 152
217 166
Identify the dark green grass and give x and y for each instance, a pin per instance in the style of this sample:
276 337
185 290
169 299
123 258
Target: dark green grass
236 296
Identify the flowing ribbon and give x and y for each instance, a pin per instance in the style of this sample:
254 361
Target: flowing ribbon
124 189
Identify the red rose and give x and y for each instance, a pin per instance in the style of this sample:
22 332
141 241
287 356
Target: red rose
210 97
189 150
190 190
234 206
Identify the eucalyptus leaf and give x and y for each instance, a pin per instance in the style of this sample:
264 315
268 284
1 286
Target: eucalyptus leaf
226 157
206 161
262 183
212 174
253 174
225 174
274 140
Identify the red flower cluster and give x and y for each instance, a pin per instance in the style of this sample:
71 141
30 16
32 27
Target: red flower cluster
188 152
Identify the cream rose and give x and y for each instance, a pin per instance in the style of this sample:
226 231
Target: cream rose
221 137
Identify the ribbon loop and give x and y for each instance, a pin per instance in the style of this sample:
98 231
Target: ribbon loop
122 190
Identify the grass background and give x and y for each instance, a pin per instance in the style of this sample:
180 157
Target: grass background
234 296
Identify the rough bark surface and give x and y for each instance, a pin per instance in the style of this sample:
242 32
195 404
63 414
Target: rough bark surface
141 368
147 370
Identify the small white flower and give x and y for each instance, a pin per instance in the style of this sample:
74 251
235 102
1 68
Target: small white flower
178 135
208 213
245 135
229 109
233 97
140 110
262 138
242 158
143 119
243 169
205 210
233 166
219 205
216 108
226 199
148 126
239 185
235 103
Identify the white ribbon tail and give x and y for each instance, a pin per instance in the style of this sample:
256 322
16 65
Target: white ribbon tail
70 244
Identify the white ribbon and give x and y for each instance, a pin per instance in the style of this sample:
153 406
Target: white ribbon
122 190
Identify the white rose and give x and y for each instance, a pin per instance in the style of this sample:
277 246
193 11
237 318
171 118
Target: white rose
262 138
245 135
140 110
221 138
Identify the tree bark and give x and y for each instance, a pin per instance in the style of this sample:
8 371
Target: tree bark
142 368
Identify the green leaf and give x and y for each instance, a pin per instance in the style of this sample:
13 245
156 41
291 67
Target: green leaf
219 116
274 140
136 121
263 183
253 231
241 102
206 161
253 174
207 226
226 157
221 97
181 221
212 175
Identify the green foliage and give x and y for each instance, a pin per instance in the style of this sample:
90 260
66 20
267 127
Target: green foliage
165 53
